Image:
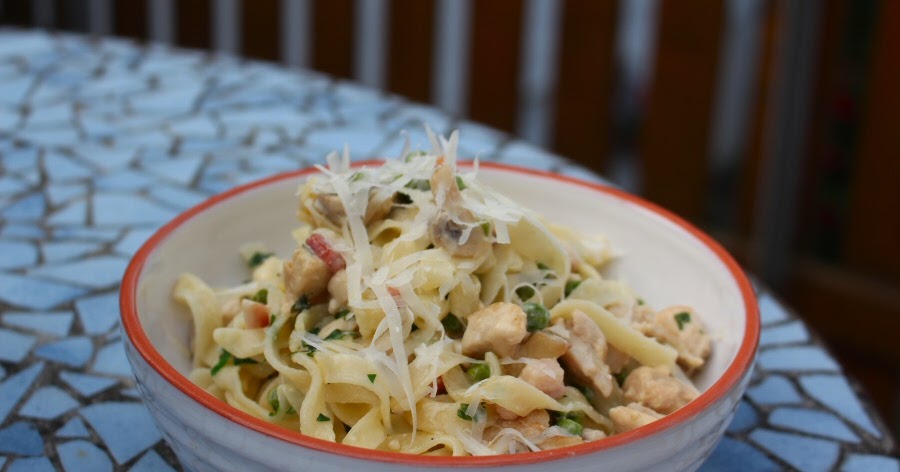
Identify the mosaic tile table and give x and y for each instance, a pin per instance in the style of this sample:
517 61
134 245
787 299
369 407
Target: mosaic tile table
103 141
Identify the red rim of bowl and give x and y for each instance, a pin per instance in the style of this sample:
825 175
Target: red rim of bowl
732 376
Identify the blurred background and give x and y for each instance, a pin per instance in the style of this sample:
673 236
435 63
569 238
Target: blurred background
771 124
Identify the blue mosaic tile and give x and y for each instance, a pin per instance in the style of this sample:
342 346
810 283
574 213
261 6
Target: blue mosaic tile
12 92
834 392
804 453
287 118
770 311
111 360
121 209
870 463
62 193
793 332
99 234
362 142
172 102
813 422
87 385
12 389
181 170
805 358
96 272
57 114
21 438
47 403
177 197
17 254
14 346
61 168
82 455
127 180
21 231
151 462
143 140
18 159
61 251
131 392
745 417
774 390
2 461
126 428
133 240
275 163
11 186
99 313
31 464
73 352
28 208
204 145
74 428
106 157
735 455
74 213
196 126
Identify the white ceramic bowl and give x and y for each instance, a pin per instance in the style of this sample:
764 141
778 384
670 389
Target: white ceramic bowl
665 259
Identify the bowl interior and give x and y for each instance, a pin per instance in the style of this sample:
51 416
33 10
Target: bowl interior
664 262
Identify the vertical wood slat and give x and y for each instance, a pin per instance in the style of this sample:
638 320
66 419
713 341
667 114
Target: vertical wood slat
72 15
261 29
410 48
494 66
586 81
17 13
193 20
874 222
333 37
674 146
130 18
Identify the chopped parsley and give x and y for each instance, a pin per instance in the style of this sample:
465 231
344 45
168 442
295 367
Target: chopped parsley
459 183
525 292
461 412
542 266
271 319
621 376
273 401
226 356
372 377
452 326
682 319
262 296
409 157
301 304
640 301
307 348
571 286
479 372
322 418
402 198
357 176
419 184
342 313
258 258
538 316
486 227
340 334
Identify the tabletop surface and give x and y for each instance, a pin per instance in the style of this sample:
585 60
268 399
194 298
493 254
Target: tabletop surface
103 141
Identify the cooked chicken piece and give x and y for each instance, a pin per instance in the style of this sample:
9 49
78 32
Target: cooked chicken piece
656 388
337 288
506 414
305 274
498 328
586 357
546 375
453 220
529 425
332 208
543 345
633 416
592 434
557 442
616 359
680 327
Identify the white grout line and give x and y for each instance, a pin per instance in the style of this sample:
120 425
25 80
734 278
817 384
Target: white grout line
296 32
450 67
370 38
539 72
226 29
161 20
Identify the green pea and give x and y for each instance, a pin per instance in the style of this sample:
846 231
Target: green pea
538 316
479 372
571 426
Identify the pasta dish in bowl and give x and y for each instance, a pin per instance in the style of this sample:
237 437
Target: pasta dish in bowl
420 312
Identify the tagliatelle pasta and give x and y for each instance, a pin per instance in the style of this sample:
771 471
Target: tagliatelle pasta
425 313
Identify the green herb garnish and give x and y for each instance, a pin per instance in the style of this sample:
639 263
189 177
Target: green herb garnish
258 258
682 319
273 401
486 227
479 372
571 426
340 334
419 184
262 296
342 313
620 377
322 418
640 301
226 356
538 316
453 326
356 176
402 198
409 157
571 286
301 304
525 292
372 377
459 183
461 412
542 266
